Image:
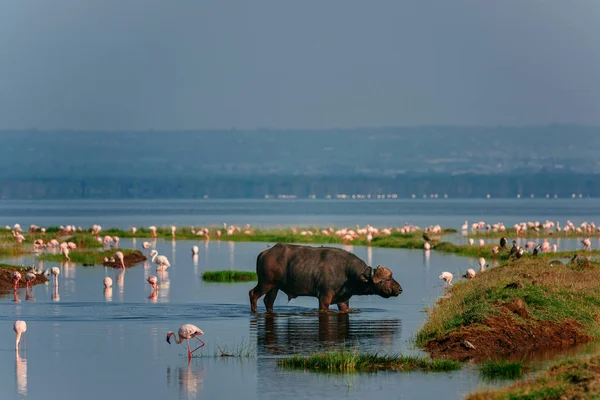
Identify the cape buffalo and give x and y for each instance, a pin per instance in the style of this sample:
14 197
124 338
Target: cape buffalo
332 275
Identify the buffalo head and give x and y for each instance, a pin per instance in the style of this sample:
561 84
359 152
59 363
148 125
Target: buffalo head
381 281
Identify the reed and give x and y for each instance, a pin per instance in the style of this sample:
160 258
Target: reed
346 361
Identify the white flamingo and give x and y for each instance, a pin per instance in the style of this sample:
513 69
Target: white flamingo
19 327
55 272
107 282
194 250
161 261
121 258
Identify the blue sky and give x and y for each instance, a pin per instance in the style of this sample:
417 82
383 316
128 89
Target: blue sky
141 64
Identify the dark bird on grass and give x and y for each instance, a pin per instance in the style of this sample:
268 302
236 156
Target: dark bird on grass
426 237
519 253
514 248
575 257
503 242
536 249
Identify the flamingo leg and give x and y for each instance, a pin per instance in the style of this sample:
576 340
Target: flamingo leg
202 345
189 352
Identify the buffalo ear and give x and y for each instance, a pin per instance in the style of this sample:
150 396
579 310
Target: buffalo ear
367 275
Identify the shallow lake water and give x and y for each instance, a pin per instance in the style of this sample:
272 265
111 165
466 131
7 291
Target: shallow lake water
85 340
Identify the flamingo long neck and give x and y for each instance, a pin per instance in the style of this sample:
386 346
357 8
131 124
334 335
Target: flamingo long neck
178 339
18 340
154 257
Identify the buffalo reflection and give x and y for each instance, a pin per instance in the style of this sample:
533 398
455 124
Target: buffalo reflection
282 334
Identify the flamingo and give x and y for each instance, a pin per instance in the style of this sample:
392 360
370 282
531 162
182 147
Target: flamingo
470 273
427 246
16 277
161 261
587 244
65 251
146 245
152 231
55 273
121 258
187 332
29 277
107 282
447 278
19 327
194 250
152 281
173 229
481 264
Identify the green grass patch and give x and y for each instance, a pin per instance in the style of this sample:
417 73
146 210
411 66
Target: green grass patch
85 256
571 379
501 369
229 276
356 361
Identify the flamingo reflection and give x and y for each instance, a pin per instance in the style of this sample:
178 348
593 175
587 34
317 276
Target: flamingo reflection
16 298
55 295
108 294
29 294
121 282
21 374
190 382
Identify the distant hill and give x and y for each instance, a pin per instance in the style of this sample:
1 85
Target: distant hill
462 162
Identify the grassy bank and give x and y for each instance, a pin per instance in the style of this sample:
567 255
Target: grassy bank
87 256
485 251
356 361
573 379
229 276
518 306
511 233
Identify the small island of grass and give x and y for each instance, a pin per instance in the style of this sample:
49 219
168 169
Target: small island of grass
229 276
572 379
356 361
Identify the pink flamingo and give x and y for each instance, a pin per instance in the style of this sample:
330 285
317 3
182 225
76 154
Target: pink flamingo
152 281
29 277
187 332
16 278
121 258
19 327
447 278
587 244
107 282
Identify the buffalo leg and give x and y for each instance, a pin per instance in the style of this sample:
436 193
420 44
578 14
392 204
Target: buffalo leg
325 301
256 293
270 299
344 306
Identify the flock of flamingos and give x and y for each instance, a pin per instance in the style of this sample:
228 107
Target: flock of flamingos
189 331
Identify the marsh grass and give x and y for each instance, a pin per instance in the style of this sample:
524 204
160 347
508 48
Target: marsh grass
85 256
229 276
571 379
557 293
345 361
485 251
502 369
244 349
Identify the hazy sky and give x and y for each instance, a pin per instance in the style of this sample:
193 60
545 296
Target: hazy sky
138 64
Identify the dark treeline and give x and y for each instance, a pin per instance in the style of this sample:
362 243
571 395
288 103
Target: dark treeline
455 186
